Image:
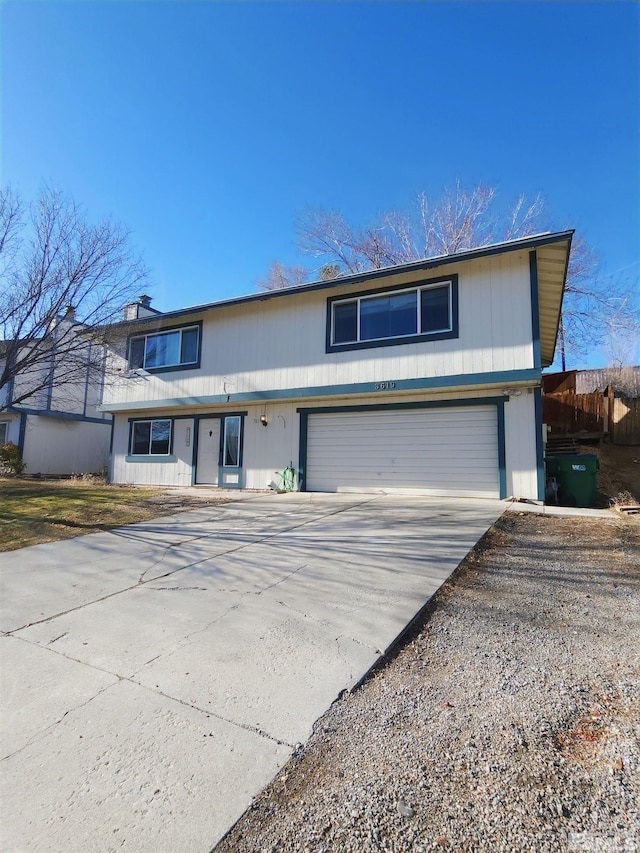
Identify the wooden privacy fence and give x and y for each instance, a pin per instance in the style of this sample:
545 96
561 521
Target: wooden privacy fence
625 421
568 413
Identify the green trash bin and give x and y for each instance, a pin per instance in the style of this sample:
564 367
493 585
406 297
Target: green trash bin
576 475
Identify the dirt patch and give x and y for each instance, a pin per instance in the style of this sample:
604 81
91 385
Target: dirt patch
510 721
619 474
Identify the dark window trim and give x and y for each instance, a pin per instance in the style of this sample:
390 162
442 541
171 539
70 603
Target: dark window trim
497 401
193 416
405 339
240 440
196 438
134 457
169 369
150 458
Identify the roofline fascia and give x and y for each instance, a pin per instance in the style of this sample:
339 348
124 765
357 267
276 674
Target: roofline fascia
355 278
564 285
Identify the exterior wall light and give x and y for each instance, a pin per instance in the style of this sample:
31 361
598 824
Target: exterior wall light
264 420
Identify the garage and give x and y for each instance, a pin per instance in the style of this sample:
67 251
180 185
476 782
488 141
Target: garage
438 450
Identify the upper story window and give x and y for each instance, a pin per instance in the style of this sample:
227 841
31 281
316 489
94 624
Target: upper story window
399 315
173 349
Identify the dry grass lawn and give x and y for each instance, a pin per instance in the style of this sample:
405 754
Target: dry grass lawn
33 511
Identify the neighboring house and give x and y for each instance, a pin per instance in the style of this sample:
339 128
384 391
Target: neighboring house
58 428
624 381
424 377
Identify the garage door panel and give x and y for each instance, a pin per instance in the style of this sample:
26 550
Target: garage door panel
447 451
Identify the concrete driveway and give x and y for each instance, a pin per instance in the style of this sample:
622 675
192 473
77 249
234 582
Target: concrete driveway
156 677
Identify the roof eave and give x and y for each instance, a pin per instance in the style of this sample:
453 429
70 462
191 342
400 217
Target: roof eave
427 263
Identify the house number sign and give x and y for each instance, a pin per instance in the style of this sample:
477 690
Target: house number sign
384 386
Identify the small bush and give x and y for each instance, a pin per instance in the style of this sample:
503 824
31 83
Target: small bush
10 459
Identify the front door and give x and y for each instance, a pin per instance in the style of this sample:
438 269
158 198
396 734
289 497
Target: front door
208 451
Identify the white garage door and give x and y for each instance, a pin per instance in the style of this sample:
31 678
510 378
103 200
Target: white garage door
444 451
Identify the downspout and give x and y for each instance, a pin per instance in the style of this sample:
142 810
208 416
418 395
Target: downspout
110 462
22 433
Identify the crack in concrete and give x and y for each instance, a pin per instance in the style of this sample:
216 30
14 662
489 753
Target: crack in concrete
141 584
55 639
131 679
277 583
209 713
187 637
41 734
373 649
241 595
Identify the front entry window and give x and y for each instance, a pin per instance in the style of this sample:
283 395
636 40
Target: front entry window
231 451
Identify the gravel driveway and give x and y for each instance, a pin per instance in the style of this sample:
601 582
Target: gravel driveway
509 722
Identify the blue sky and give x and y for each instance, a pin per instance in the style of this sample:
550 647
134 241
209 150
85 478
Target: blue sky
206 126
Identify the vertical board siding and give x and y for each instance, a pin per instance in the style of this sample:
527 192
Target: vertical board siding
520 447
280 343
156 472
55 446
268 450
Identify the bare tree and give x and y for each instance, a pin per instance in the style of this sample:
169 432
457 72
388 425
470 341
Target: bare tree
62 282
466 218
461 220
279 276
596 309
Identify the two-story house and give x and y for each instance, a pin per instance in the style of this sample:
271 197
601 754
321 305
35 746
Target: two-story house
422 377
50 408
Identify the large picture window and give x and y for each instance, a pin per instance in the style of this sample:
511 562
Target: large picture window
172 349
401 315
151 438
